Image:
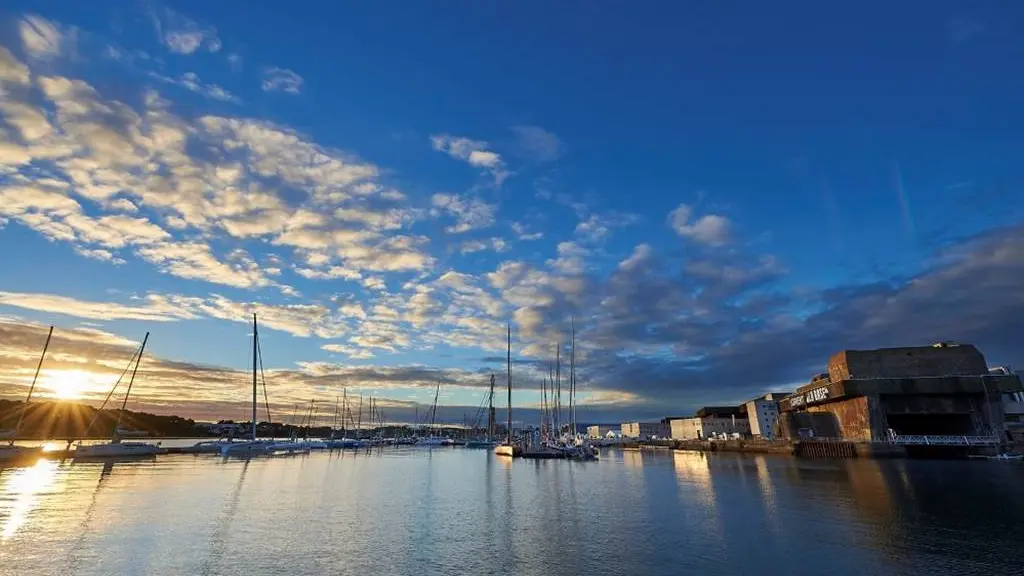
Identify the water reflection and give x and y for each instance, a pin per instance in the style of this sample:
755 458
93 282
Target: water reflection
23 489
221 533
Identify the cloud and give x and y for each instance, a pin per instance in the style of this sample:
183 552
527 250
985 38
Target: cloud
471 246
711 229
281 80
597 227
182 35
470 212
537 143
215 178
523 233
156 310
41 38
473 152
190 81
302 320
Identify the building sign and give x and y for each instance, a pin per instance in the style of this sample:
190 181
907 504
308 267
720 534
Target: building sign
814 396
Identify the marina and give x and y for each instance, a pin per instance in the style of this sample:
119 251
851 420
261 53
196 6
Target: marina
336 512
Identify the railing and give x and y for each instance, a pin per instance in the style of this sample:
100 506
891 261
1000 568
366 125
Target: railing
926 440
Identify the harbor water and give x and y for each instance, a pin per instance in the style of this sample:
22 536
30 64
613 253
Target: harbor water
461 511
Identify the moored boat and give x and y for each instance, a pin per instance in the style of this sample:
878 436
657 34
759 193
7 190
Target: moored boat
116 448
12 452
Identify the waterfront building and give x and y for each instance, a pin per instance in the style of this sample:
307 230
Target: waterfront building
644 430
601 430
763 415
712 422
1013 408
892 394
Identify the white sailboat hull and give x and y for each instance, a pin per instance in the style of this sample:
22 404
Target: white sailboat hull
117 450
13 453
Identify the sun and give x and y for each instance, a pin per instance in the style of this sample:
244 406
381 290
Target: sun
68 384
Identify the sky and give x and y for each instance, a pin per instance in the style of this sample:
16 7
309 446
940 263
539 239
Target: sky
718 196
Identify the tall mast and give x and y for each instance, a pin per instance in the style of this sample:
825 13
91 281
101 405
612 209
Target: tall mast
359 424
558 388
490 412
543 407
124 404
344 411
433 410
572 378
255 360
24 407
334 425
508 380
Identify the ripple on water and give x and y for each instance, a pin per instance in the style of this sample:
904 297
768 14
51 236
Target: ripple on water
453 511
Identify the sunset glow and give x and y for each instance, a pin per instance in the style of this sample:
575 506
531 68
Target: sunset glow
68 384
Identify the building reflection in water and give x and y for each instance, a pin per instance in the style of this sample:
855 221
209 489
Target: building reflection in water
768 495
23 490
697 495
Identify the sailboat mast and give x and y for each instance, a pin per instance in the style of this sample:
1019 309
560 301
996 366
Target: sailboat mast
359 423
490 412
558 388
255 361
124 404
508 381
572 378
433 410
344 411
24 407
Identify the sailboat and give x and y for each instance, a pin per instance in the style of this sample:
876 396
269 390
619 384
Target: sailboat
488 440
12 452
116 448
434 439
255 446
508 448
571 442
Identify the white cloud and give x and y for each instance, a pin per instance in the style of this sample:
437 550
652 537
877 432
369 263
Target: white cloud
154 310
182 35
281 80
496 244
712 229
40 37
350 351
474 152
538 143
523 233
190 81
470 212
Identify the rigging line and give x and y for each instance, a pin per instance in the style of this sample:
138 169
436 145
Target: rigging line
111 393
263 377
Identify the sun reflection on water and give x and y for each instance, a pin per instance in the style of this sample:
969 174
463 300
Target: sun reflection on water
21 494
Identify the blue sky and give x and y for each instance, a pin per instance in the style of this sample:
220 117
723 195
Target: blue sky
711 190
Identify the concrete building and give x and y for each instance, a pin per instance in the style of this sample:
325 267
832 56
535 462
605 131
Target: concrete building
601 430
870 395
644 430
711 422
763 415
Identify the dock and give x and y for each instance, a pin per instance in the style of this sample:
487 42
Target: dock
544 455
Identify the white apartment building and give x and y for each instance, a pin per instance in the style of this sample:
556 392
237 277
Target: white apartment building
601 431
763 414
644 430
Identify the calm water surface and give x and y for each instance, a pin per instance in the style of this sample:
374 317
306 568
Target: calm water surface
458 511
